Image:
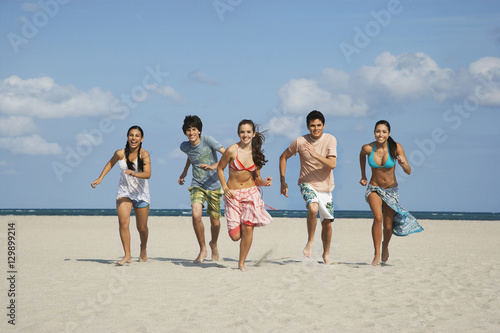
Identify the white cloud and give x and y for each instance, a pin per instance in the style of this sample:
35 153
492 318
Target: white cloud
199 76
16 126
303 95
408 76
287 126
487 72
391 80
169 92
30 145
43 98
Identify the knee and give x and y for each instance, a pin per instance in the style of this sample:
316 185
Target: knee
142 229
378 219
326 224
312 209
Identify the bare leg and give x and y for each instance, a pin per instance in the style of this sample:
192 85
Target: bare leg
141 218
312 213
199 231
375 203
124 208
214 230
326 237
388 217
245 244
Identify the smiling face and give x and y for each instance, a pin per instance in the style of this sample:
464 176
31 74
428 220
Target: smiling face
246 133
316 127
193 135
382 133
134 138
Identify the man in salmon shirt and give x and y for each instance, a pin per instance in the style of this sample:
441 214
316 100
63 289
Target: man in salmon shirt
318 158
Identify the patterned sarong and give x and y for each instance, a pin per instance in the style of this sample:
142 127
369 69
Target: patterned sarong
245 207
404 223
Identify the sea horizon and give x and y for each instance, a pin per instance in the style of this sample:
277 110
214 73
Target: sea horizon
345 214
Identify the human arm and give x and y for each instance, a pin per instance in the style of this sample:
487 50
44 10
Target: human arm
213 166
146 167
362 163
262 182
116 156
403 162
328 161
283 159
224 161
184 172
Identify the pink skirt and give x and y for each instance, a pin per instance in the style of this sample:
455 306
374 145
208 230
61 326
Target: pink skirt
246 207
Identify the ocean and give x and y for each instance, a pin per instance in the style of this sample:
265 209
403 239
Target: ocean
341 214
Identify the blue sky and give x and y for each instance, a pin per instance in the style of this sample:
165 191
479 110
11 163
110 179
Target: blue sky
75 75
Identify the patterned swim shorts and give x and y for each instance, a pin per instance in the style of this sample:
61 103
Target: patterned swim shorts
324 200
213 199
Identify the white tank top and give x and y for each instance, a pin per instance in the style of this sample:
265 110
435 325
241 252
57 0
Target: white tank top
132 187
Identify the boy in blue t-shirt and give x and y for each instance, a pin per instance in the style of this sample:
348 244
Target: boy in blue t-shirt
202 154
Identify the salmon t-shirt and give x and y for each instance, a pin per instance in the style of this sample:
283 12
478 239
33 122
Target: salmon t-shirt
313 172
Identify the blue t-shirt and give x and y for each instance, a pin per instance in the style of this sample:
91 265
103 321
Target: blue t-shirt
204 153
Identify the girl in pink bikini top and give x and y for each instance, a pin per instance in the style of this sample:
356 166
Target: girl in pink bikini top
238 166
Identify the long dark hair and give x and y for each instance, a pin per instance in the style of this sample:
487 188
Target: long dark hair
257 153
140 162
393 147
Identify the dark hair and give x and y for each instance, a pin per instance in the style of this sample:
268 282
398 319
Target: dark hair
313 115
140 162
192 121
393 147
257 153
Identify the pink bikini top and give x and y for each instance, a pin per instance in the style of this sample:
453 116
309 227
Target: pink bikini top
238 166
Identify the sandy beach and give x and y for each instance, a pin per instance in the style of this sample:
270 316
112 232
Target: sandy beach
445 279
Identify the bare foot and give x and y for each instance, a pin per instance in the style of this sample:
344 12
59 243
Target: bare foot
376 260
125 260
326 258
215 251
308 249
385 253
242 268
201 256
143 257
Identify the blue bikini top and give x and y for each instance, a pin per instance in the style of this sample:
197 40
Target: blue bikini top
391 162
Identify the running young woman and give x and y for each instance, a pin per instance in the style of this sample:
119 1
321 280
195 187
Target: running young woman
133 190
244 208
382 191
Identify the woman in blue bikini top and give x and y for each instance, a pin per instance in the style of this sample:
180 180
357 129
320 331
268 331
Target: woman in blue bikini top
384 148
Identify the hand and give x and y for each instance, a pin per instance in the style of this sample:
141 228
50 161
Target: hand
95 183
401 160
309 148
207 167
266 182
181 180
363 181
284 189
129 172
228 193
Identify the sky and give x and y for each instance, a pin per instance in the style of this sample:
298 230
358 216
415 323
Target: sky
75 75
